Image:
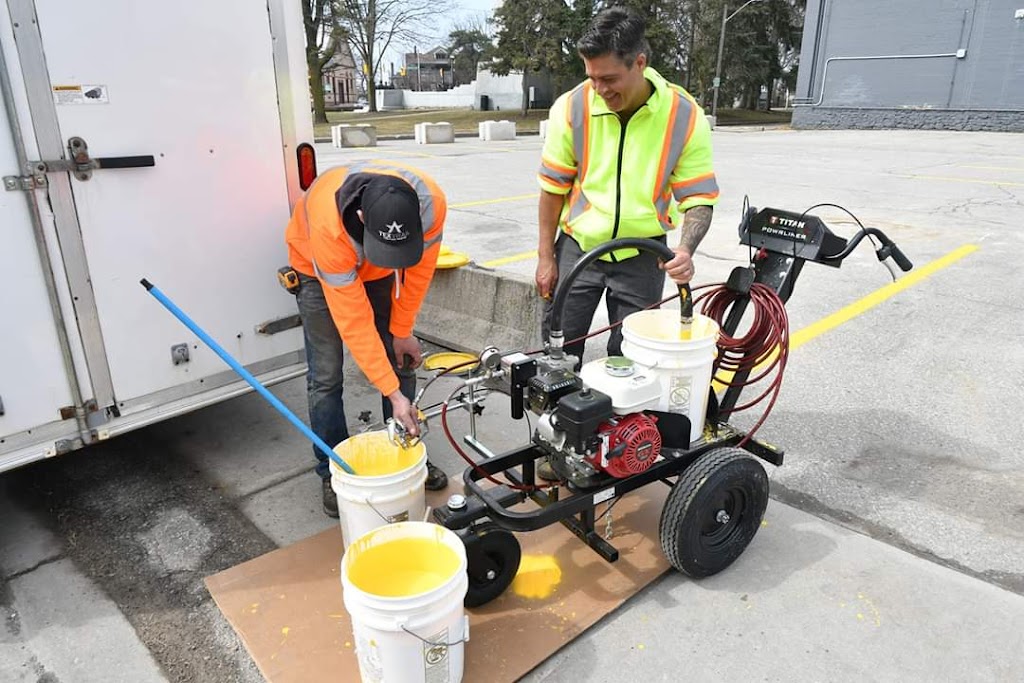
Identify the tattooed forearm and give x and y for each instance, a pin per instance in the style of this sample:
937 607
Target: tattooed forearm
696 222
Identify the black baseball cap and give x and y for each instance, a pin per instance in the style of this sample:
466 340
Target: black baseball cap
392 229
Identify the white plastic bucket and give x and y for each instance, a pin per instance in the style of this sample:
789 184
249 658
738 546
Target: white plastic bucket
391 491
684 366
404 585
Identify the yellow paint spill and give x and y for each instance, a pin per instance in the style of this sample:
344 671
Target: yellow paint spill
403 567
348 644
538 576
860 617
373 455
640 646
285 630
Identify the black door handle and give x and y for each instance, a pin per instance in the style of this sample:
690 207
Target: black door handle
125 162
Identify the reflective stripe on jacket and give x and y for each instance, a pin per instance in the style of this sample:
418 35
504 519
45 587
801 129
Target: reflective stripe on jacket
627 181
319 246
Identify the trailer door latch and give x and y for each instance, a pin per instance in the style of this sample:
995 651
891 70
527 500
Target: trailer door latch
78 163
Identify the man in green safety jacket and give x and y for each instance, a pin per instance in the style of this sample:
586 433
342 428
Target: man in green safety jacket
627 154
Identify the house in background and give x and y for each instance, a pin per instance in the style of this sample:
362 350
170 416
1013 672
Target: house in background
341 80
955 65
426 71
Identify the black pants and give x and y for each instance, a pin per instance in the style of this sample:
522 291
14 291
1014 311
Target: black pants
628 286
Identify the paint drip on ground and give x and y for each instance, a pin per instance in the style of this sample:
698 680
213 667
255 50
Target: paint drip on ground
538 576
403 567
373 455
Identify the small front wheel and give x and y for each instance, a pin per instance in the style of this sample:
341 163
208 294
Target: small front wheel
713 511
492 558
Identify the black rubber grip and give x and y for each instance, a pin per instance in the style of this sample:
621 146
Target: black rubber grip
685 302
900 258
126 162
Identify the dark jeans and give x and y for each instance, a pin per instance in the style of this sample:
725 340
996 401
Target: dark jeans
629 286
325 356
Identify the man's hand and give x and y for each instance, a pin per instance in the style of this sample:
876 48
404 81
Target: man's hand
547 276
696 222
403 412
407 346
680 268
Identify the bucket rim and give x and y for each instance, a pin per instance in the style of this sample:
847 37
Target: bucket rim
450 540
369 478
342 474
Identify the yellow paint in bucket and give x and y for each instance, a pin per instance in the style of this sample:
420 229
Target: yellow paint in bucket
373 455
666 328
538 576
403 567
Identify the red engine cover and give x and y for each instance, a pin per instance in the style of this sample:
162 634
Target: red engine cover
634 443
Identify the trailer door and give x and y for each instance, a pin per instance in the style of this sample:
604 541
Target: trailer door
191 83
33 384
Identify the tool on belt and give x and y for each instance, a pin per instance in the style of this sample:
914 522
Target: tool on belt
289 279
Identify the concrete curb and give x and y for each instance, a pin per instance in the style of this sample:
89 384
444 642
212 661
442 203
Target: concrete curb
732 127
471 308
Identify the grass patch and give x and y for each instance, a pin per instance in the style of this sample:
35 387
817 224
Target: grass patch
466 120
745 117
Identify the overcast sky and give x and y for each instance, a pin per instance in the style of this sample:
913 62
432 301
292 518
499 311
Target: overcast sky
465 10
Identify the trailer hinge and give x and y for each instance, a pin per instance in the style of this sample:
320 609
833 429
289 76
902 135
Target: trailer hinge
25 183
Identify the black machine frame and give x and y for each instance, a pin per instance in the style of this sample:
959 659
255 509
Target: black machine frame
783 241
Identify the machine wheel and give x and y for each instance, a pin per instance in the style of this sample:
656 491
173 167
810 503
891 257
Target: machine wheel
713 512
492 560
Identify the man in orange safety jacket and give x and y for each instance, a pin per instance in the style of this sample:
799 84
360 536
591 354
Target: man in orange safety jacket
364 241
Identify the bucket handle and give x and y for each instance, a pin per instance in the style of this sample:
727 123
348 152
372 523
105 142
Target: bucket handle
379 513
431 643
387 520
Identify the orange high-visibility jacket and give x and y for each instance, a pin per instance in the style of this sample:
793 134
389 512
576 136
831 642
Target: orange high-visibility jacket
319 246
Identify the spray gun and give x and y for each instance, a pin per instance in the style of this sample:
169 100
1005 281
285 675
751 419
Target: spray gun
400 436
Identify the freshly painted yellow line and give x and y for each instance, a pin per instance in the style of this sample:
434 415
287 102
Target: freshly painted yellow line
510 259
958 180
498 200
802 336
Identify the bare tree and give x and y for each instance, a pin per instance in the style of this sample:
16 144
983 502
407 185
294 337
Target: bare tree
322 38
373 26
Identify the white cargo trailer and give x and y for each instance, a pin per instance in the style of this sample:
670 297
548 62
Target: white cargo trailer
142 140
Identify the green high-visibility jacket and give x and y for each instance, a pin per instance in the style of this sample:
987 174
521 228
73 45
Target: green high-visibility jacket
632 180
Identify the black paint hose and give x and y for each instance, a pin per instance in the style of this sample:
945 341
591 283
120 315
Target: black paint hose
556 338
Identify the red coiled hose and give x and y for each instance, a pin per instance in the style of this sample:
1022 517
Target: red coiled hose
766 343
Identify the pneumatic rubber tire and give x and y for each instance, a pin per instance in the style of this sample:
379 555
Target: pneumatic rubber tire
713 511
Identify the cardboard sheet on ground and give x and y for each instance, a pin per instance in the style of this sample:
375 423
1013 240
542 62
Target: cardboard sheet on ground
287 605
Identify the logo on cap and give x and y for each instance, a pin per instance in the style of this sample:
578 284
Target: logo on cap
394 232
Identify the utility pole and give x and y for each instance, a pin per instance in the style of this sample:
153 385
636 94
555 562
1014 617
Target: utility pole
721 47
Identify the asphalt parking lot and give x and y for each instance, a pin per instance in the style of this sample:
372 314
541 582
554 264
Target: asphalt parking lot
894 544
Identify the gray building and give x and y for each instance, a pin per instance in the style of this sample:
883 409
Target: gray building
947 64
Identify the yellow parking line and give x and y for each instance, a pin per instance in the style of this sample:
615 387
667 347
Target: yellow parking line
510 259
997 168
802 336
481 202
958 180
863 305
